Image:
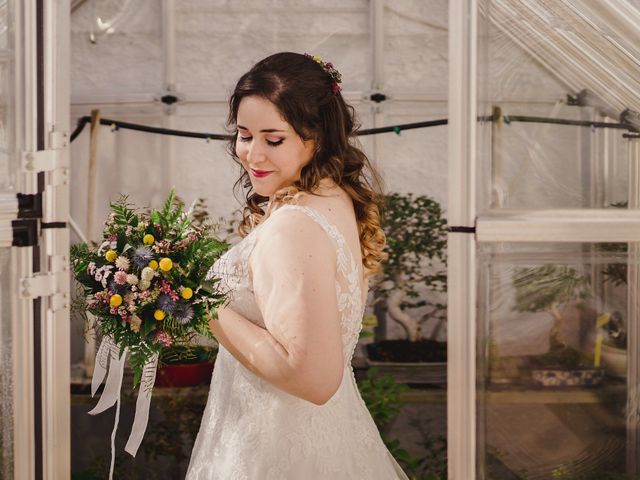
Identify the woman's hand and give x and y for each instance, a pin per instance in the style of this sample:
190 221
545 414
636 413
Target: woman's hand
214 322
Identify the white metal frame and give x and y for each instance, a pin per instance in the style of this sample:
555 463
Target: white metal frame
633 321
592 225
51 283
23 23
56 400
461 296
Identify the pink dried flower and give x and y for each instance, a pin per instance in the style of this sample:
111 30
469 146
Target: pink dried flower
165 287
163 339
120 277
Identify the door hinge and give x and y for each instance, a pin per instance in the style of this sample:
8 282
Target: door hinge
49 284
54 159
47 161
54 163
40 161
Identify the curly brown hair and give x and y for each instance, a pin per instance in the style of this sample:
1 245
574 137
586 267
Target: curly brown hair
302 92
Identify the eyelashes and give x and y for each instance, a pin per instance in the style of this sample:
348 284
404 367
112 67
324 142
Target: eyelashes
248 139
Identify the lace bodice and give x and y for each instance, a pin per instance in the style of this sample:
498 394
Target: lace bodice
254 431
235 280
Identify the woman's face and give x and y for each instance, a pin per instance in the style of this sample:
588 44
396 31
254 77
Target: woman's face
267 143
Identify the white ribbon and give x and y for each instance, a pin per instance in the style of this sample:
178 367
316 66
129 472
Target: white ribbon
110 364
143 403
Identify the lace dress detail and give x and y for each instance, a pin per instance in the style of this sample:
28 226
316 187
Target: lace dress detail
252 430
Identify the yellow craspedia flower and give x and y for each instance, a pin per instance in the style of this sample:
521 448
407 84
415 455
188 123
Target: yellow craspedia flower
187 293
115 300
369 321
110 255
153 264
158 315
166 264
148 239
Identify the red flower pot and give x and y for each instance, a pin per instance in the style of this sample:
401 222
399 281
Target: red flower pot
184 375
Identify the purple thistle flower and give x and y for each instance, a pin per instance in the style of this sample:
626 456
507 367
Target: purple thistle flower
166 303
115 287
183 313
142 256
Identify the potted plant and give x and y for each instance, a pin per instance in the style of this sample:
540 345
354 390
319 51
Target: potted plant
409 290
551 289
185 365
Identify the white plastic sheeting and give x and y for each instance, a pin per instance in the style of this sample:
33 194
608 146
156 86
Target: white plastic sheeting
590 52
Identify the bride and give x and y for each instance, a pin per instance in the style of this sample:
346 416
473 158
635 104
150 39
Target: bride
283 402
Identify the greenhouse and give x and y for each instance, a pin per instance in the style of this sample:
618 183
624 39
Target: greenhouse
497 336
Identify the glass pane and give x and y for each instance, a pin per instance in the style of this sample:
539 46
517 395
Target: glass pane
7 166
4 12
555 78
6 367
556 343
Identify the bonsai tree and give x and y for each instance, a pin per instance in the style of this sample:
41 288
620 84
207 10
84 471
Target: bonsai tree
551 288
416 244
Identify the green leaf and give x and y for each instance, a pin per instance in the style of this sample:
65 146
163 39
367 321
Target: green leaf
155 217
147 327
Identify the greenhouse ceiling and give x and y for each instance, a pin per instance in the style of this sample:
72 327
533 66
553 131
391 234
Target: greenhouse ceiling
593 47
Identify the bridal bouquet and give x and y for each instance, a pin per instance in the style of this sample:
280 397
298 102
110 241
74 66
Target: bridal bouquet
146 285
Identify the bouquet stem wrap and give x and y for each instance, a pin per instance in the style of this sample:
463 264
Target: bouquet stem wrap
109 360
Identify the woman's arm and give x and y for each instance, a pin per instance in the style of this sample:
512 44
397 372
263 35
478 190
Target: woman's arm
300 351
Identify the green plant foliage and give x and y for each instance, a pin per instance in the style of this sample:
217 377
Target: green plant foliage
549 288
539 288
186 354
381 395
416 233
433 465
565 357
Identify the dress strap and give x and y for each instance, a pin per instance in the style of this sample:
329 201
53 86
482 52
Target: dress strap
349 294
346 260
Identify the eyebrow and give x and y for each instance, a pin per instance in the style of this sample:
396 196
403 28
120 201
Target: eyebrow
266 130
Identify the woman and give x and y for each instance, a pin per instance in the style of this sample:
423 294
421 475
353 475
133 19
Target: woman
283 402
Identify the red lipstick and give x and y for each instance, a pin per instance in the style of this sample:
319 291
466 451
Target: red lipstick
259 173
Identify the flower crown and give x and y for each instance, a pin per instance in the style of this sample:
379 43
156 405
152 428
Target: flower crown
330 69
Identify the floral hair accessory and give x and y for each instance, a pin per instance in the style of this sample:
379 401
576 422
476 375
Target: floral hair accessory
331 70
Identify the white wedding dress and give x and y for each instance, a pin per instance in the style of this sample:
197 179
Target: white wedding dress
252 430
